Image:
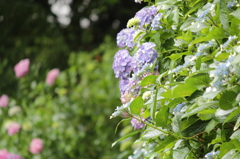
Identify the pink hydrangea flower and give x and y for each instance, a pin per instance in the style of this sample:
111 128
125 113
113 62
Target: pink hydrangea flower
3 100
3 154
51 76
22 67
36 146
13 128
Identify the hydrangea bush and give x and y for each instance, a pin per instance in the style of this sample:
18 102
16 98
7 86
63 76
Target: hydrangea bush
178 66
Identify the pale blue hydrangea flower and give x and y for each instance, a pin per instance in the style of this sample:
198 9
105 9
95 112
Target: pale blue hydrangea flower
125 38
211 155
230 39
156 24
178 107
146 15
146 54
122 64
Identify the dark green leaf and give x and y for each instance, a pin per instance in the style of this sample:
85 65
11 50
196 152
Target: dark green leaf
227 99
211 125
165 143
199 80
181 90
176 124
162 117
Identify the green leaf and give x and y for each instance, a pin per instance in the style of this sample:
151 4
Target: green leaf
181 153
237 124
211 125
154 105
176 124
151 133
235 135
232 154
188 122
127 136
195 128
227 99
199 108
232 115
168 141
162 117
177 56
199 80
136 105
225 148
222 56
223 15
151 79
236 13
181 90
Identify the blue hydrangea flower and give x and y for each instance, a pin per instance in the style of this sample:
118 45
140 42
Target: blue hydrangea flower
125 38
146 15
146 54
122 64
137 124
178 107
156 22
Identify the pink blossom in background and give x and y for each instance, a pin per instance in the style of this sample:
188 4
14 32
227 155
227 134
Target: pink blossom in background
22 67
3 100
13 128
3 154
52 75
36 146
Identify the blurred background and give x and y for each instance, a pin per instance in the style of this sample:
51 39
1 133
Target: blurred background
78 37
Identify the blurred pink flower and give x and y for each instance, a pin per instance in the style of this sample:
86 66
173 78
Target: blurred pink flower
3 100
13 128
21 68
51 76
36 146
3 154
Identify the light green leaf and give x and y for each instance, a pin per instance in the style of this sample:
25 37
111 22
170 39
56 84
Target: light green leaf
232 154
211 125
136 105
151 133
181 153
232 115
168 142
237 124
151 79
225 148
199 80
127 136
162 116
188 122
223 14
236 13
181 90
227 99
176 124
235 135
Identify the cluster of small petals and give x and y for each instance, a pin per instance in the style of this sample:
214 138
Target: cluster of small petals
13 128
4 154
201 17
36 146
156 24
137 123
211 155
4 100
122 64
14 110
52 76
126 97
146 15
178 107
146 54
230 39
125 38
21 68
231 4
123 83
119 110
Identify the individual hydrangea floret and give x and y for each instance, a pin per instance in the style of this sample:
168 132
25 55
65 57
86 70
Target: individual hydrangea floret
211 155
125 38
138 1
146 15
146 54
123 83
156 24
137 123
119 110
122 64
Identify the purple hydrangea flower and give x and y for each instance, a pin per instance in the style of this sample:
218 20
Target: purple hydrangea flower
122 64
146 54
156 22
123 85
125 38
146 15
137 124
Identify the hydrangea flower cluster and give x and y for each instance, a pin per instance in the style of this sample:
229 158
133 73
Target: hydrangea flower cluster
156 24
125 38
146 15
13 128
178 107
21 68
3 100
137 123
211 155
145 54
122 64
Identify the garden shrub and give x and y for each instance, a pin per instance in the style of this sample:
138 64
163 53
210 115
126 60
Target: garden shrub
178 67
